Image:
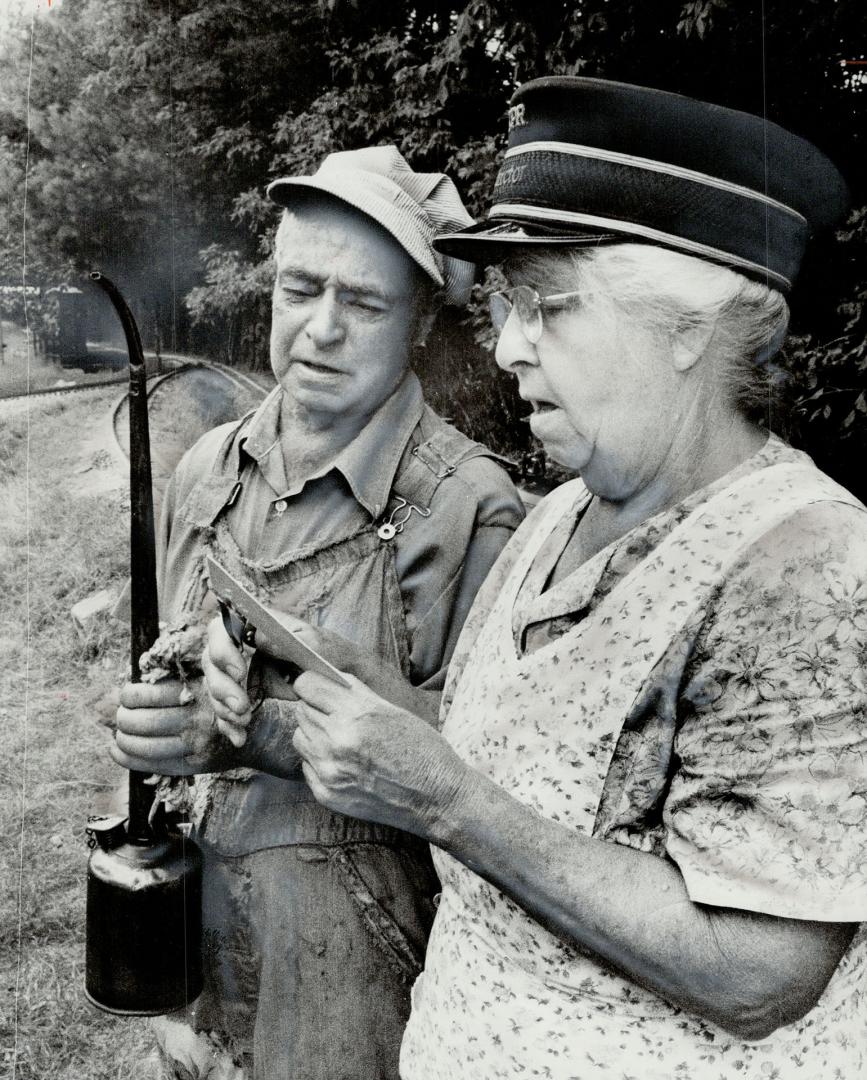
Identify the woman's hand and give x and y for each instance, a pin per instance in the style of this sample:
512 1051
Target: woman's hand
367 758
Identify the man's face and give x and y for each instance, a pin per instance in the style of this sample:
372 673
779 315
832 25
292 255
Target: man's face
342 313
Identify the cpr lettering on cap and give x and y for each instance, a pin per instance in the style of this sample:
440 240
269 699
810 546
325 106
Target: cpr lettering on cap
517 116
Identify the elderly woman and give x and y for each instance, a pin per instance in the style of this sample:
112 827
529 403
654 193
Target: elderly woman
647 800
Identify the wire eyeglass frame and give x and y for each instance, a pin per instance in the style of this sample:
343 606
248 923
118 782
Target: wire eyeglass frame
529 305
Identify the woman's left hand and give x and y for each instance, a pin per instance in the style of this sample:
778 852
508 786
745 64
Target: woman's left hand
370 759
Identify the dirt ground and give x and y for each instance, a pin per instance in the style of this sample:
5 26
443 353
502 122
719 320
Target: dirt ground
63 536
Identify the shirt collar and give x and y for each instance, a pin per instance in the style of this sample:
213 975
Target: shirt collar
262 438
368 463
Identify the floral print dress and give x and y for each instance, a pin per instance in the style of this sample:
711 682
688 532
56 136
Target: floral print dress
695 690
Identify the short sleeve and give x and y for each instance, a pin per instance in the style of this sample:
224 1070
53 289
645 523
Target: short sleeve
767 808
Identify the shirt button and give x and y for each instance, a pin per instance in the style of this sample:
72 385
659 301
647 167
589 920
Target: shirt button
280 506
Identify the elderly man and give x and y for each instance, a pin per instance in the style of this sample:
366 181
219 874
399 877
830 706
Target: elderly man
344 500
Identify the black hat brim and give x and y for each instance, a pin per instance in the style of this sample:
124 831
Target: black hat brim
498 239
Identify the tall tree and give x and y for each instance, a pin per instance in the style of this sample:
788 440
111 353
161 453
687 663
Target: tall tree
155 124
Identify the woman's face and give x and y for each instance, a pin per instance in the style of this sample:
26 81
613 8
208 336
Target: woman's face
605 394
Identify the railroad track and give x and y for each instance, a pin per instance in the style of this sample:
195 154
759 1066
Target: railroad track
237 378
241 378
9 403
59 391
531 491
76 388
111 437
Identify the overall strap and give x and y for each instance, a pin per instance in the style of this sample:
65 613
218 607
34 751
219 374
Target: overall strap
220 487
432 456
223 463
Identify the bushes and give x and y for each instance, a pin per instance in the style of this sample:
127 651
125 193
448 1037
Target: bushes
232 309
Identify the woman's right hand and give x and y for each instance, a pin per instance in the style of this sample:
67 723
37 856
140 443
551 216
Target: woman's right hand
365 757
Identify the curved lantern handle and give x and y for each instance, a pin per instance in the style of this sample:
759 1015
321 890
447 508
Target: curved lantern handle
144 620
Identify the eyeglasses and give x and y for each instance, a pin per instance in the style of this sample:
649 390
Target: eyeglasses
528 304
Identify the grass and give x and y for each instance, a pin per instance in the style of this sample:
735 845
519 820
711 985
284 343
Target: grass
58 544
57 548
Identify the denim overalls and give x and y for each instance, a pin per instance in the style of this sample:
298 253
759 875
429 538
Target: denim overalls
315 924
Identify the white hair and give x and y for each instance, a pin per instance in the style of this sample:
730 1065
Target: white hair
670 293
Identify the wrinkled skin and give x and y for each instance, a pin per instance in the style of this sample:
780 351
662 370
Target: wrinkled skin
170 728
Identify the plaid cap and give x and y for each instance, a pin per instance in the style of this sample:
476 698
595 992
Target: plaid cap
591 161
413 207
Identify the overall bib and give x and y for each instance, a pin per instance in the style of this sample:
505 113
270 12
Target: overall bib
315 924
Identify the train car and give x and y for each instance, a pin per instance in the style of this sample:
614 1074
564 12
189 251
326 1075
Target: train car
71 339
71 347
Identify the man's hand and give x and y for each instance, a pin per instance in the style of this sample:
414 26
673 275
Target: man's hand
222 659
166 728
370 759
225 669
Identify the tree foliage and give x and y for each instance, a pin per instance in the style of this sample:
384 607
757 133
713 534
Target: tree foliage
155 124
